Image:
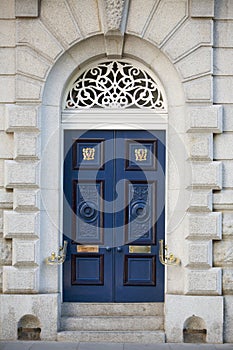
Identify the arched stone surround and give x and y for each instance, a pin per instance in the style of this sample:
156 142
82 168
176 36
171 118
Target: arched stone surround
52 109
56 57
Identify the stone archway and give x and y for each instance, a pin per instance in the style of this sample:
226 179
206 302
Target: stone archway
60 75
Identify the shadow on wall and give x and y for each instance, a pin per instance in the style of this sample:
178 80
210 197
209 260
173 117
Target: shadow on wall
194 330
29 328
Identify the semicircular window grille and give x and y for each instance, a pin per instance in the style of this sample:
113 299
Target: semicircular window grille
115 84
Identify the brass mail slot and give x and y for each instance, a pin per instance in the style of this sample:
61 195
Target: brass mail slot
140 249
88 249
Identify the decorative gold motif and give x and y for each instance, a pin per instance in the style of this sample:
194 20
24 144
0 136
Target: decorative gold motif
88 153
140 249
140 154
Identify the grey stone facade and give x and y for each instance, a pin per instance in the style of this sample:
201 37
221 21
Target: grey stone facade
188 45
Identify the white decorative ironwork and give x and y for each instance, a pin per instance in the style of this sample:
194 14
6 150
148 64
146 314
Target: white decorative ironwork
115 84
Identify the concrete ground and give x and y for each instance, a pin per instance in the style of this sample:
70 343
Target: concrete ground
40 345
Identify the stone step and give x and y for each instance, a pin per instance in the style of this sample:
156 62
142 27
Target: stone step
144 337
112 323
112 309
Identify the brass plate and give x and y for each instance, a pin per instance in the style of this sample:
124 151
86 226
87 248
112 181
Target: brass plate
88 249
140 249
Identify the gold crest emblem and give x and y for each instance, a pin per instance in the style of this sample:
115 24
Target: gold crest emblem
140 154
88 153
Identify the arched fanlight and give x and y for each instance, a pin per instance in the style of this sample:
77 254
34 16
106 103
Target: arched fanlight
115 84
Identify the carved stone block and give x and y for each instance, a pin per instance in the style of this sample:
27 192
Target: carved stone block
204 282
207 175
205 119
20 280
26 199
200 254
200 201
26 8
25 252
23 118
202 8
204 226
26 145
200 89
201 146
21 225
18 174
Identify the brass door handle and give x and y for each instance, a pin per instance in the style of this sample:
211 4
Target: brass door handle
167 258
54 259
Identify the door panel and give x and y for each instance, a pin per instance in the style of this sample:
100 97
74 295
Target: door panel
114 204
87 269
140 212
88 208
143 170
88 215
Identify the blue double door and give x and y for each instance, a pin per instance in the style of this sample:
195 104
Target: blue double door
114 190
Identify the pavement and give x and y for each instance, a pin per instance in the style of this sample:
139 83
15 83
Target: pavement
41 345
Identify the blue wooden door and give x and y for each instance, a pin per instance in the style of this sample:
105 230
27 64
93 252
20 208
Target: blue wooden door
114 190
